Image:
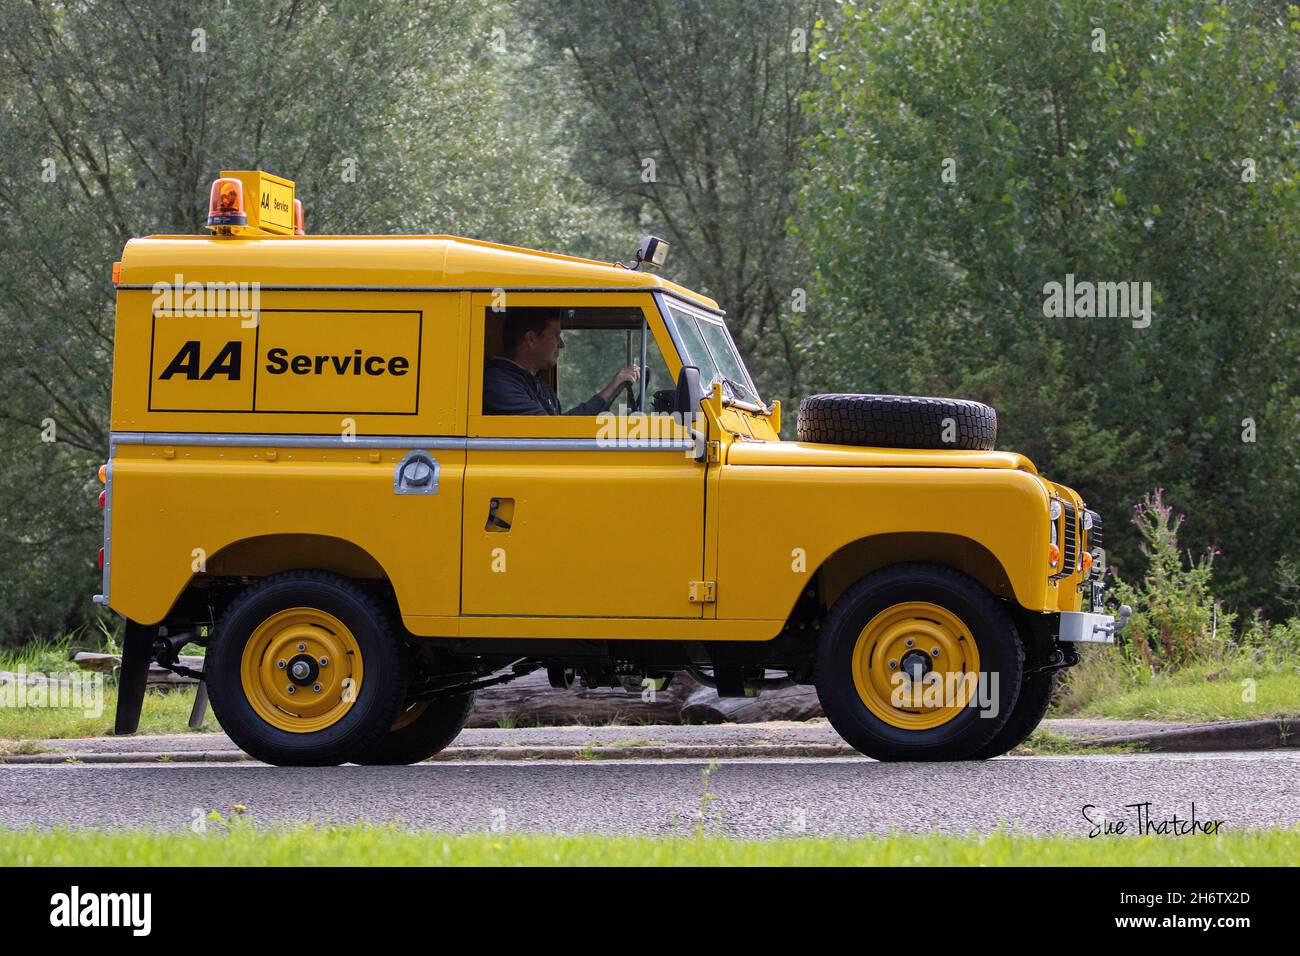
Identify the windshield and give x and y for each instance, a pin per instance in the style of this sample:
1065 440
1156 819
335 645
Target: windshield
707 344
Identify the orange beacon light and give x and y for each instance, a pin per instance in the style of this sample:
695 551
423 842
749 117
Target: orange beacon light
226 205
298 219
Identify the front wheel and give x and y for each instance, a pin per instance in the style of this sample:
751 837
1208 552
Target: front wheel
305 669
919 662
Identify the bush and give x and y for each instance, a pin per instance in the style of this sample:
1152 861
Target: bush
1264 641
1177 623
1176 618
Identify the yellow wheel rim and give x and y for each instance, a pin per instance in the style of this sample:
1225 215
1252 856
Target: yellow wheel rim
301 670
915 640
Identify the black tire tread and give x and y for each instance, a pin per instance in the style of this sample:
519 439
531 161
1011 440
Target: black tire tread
824 666
223 699
428 734
1031 706
896 421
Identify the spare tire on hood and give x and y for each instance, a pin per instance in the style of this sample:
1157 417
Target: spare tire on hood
897 421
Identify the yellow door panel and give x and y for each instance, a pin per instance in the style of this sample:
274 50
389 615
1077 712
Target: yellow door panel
600 529
607 533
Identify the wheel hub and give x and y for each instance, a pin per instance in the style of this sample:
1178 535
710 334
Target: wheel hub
922 647
916 664
301 670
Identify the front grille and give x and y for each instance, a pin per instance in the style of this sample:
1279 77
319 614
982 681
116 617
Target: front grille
1070 541
1095 546
1094 533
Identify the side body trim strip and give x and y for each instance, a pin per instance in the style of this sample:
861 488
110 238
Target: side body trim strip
394 441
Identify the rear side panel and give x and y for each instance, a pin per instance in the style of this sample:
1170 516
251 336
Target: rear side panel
329 363
179 510
286 425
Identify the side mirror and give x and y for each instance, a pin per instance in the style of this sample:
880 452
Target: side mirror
689 394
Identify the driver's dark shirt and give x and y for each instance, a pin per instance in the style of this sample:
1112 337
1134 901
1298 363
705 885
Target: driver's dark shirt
510 389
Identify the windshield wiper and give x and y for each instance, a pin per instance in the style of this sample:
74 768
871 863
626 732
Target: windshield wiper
738 391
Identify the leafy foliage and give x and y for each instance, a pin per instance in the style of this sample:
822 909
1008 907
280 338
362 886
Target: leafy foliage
1151 142
1176 618
391 117
687 118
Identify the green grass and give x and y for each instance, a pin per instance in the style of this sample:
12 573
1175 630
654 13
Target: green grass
1216 690
1044 743
241 844
44 655
165 712
22 747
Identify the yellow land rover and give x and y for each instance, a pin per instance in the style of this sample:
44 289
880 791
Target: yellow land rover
372 474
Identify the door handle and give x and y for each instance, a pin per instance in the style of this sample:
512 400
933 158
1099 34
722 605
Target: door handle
496 521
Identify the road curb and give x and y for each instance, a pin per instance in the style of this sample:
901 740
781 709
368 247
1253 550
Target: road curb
1210 738
482 754
673 752
1242 735
179 756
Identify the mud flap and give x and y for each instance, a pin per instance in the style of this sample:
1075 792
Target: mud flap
200 709
137 652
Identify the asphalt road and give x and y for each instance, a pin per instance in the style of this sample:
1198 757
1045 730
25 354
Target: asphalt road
761 797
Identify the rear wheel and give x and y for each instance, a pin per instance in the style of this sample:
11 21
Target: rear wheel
421 730
1035 697
305 669
918 662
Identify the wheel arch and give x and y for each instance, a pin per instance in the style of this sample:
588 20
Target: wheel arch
261 556
855 560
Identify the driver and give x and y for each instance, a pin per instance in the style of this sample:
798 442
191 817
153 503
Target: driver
512 384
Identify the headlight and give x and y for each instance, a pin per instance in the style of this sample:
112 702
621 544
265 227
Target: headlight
1087 520
1055 509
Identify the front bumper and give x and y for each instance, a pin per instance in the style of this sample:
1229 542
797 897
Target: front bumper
1082 627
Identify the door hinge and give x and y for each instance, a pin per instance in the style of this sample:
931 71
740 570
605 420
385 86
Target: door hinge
703 592
715 451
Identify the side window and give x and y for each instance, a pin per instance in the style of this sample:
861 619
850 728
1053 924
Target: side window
592 353
570 361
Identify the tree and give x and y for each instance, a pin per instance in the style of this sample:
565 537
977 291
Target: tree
391 117
691 124
969 154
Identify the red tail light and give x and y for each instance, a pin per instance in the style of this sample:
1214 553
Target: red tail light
103 495
101 559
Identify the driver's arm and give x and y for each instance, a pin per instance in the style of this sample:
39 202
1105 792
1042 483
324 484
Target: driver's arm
600 401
